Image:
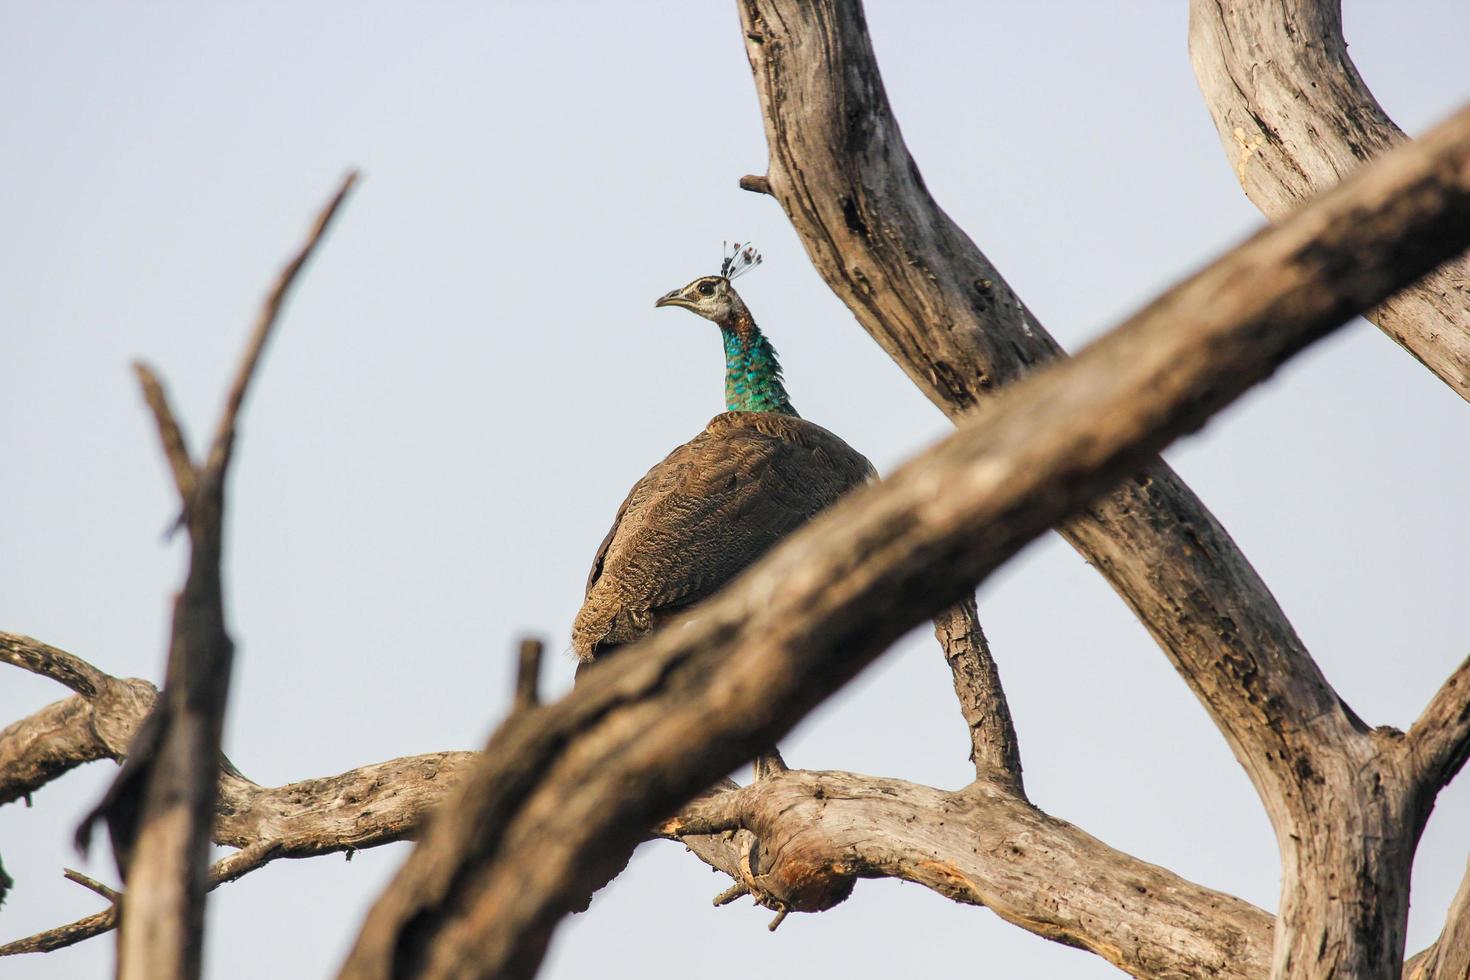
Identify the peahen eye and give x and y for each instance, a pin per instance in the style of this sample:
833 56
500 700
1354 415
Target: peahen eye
706 289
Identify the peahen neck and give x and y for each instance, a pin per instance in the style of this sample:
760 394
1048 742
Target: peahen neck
752 372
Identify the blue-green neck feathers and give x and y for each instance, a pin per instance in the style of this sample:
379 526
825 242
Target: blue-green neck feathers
752 373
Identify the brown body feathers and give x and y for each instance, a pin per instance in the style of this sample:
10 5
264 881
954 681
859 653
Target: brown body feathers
697 519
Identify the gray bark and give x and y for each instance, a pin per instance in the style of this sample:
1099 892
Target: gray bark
1295 118
839 168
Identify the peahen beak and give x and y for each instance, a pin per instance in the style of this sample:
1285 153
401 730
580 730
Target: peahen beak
671 298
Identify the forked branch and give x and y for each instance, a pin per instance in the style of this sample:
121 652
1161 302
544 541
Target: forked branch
160 810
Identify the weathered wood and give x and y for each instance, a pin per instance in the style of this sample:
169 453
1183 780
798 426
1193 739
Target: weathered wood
839 168
97 723
1045 868
564 792
1295 118
365 807
994 748
1439 740
931 299
1449 957
986 846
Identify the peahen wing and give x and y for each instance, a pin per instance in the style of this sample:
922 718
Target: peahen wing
711 508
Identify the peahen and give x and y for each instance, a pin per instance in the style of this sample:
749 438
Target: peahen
720 501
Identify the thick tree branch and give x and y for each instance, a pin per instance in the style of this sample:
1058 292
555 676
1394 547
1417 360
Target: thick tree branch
99 722
366 807
160 810
563 794
1449 957
49 743
1295 118
921 288
839 168
987 846
993 745
1439 740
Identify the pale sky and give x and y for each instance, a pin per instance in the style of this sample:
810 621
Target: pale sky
472 374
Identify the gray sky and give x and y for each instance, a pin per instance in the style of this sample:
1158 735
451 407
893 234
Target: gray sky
473 374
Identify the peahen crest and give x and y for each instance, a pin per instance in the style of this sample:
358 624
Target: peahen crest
739 259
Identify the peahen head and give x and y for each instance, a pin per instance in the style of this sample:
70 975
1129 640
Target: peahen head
752 373
712 297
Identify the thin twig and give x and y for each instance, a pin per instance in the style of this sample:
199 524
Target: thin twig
224 439
228 868
170 434
92 884
528 672
755 183
730 894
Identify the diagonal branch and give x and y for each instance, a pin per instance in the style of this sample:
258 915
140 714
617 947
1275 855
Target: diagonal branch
565 790
1449 957
218 458
925 292
226 869
47 661
170 434
1295 118
993 746
1439 741
839 168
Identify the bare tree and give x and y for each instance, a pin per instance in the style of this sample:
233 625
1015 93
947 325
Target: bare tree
565 791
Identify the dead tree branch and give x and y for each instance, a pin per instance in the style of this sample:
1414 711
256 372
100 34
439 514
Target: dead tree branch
994 748
1295 118
987 846
366 807
931 299
97 723
839 168
1449 957
561 798
1439 740
160 810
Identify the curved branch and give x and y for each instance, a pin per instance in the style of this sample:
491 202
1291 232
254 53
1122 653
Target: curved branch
839 168
921 288
987 846
564 791
1439 741
98 723
1295 118
47 661
1449 957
